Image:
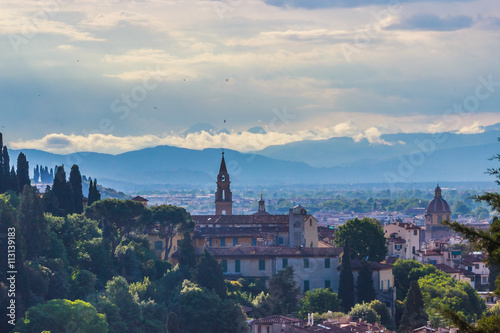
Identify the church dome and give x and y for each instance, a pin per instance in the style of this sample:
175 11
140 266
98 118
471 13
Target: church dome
438 204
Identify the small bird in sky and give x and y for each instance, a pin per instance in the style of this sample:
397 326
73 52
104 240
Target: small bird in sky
155 107
227 80
184 79
224 120
77 60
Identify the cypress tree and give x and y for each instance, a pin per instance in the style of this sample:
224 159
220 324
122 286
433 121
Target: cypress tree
36 174
23 168
346 280
187 255
14 183
414 315
75 179
97 194
209 274
63 192
31 221
90 198
6 169
2 178
365 290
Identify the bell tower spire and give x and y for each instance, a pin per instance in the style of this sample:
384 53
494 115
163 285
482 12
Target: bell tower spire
223 195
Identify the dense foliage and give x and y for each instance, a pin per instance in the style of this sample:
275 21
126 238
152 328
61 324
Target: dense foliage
366 239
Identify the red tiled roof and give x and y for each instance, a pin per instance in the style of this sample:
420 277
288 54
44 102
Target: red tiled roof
139 198
269 251
374 266
396 240
214 232
275 319
240 219
447 269
407 226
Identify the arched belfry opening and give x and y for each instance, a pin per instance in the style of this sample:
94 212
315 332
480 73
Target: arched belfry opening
223 195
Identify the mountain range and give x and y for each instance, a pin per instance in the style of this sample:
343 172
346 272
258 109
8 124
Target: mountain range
417 157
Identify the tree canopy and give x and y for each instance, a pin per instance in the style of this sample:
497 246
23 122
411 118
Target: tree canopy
366 239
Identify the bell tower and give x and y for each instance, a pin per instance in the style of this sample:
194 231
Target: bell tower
223 195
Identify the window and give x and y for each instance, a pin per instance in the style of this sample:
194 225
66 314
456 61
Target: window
398 247
388 283
224 266
382 285
222 242
310 223
469 268
306 263
485 280
262 264
306 285
472 278
327 284
237 267
327 262
158 245
413 250
235 241
210 242
414 232
477 266
281 241
285 263
254 241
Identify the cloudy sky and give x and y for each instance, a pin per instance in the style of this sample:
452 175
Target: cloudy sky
120 75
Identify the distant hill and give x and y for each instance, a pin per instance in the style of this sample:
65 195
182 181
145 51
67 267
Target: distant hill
345 151
172 165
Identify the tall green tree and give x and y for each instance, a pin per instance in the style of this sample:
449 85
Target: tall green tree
319 301
365 291
209 274
366 239
283 291
187 255
63 192
414 315
2 172
170 221
75 180
62 315
346 280
6 168
13 181
23 168
31 221
36 174
117 217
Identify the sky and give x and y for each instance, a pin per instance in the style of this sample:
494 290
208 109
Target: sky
114 76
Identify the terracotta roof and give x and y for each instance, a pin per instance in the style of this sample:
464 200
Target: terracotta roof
268 251
408 226
391 260
139 198
374 266
466 272
214 232
438 204
240 219
447 269
275 319
396 240
473 258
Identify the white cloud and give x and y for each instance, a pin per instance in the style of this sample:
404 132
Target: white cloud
474 128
